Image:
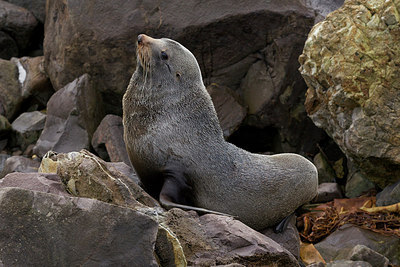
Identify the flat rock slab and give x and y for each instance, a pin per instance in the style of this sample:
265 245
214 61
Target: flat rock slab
51 230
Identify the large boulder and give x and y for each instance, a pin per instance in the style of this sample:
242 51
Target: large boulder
52 230
351 65
73 113
18 22
37 7
225 38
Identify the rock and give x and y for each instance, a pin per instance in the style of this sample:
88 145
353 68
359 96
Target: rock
37 7
357 184
19 164
348 263
125 169
363 253
328 192
42 182
323 8
33 79
326 174
388 196
3 159
18 22
5 126
229 111
28 127
214 240
274 92
86 175
10 98
289 238
73 113
350 64
108 140
101 43
340 243
52 230
8 47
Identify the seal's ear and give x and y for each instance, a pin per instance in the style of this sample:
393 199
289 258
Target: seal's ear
178 75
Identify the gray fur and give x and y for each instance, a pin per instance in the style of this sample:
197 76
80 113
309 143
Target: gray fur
172 119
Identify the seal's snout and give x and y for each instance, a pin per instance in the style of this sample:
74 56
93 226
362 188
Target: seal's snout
143 39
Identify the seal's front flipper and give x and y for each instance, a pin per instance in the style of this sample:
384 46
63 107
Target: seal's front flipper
280 227
176 192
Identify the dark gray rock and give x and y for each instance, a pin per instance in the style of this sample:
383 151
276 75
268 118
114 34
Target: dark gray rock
328 192
42 182
357 184
28 127
5 126
288 239
73 113
37 7
52 230
8 47
108 140
229 111
10 97
322 7
326 173
389 195
214 240
340 243
363 253
348 263
101 43
3 159
18 22
19 164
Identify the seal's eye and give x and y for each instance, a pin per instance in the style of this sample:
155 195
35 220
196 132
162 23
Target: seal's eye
164 55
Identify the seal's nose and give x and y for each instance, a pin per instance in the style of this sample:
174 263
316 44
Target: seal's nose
140 39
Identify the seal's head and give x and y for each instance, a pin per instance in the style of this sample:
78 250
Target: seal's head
166 61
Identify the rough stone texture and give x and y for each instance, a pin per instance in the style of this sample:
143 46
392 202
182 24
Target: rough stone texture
5 126
339 244
223 38
328 192
388 196
8 47
86 175
3 159
73 113
28 127
326 174
229 111
357 184
322 7
42 182
10 97
351 64
363 253
19 164
214 240
37 7
108 140
18 22
51 230
288 239
348 263
33 79
125 169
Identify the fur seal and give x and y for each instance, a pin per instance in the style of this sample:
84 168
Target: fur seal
176 145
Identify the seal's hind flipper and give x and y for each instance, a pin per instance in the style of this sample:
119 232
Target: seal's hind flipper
281 227
176 192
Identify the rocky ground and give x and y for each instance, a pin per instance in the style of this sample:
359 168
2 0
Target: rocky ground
68 194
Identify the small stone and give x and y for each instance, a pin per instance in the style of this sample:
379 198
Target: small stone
357 184
389 195
326 174
19 164
348 263
363 253
27 128
328 192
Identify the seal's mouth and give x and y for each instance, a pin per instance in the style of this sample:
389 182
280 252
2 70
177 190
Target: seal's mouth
143 51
